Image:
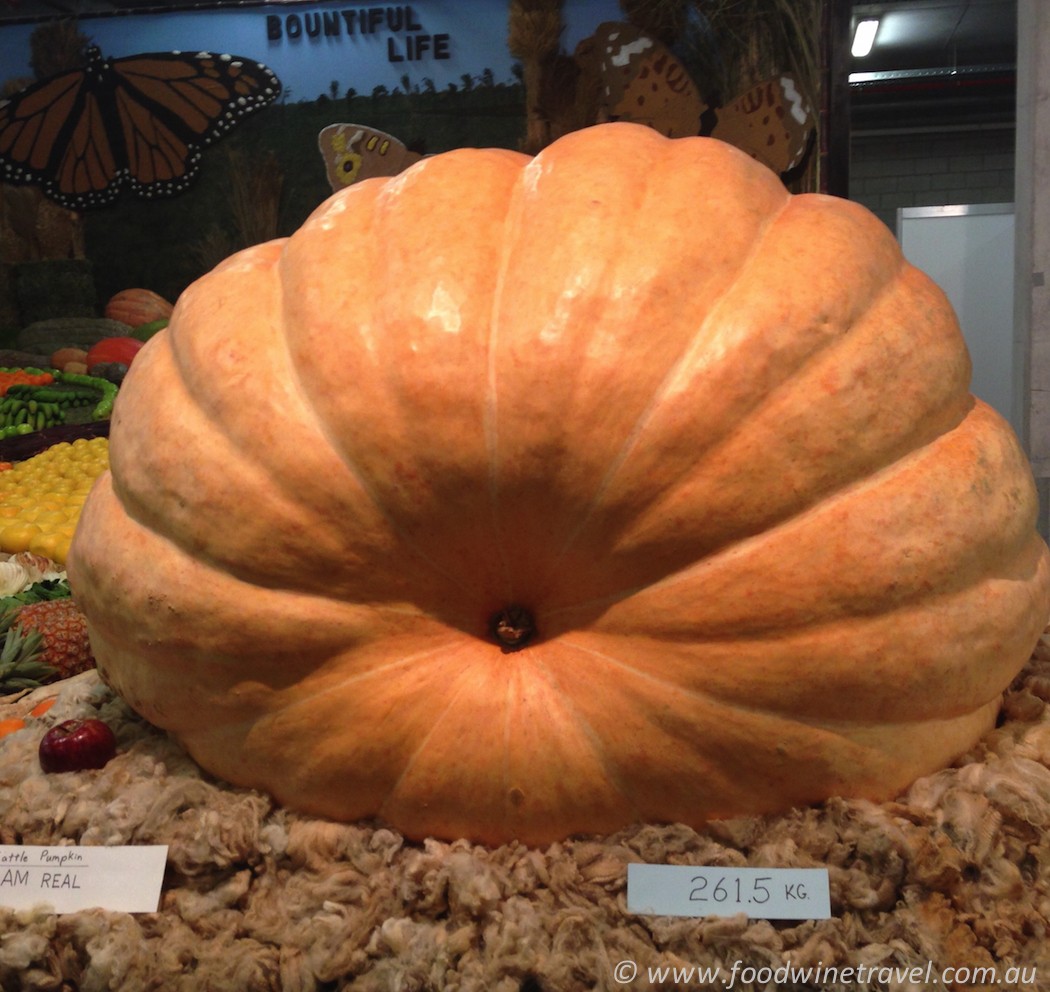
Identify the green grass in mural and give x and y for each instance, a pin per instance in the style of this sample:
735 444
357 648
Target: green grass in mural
165 244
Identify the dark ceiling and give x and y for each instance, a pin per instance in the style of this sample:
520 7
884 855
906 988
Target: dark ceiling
936 63
939 33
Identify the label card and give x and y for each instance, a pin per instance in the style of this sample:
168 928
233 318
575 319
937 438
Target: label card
761 893
123 879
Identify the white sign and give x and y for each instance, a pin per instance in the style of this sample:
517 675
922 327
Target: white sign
123 879
761 893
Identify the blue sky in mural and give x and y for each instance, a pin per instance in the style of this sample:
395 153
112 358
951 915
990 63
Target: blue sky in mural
310 46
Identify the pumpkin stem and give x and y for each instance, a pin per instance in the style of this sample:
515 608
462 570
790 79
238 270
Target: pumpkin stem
513 627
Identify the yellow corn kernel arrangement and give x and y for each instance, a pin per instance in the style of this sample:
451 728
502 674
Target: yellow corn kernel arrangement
41 498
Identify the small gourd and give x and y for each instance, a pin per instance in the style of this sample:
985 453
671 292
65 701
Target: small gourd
135 307
66 357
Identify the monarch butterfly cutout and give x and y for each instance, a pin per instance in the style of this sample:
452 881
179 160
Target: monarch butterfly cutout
353 152
641 80
139 122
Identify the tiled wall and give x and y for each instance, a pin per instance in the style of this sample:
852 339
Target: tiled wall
888 171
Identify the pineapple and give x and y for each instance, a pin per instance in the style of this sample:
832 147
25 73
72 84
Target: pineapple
44 641
63 631
20 664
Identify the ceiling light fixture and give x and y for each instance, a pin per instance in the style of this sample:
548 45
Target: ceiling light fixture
864 38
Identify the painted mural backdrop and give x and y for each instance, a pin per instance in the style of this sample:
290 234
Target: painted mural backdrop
267 109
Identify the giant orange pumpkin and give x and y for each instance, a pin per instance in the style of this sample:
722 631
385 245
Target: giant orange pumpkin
512 498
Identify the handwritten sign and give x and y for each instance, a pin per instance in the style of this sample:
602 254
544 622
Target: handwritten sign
123 879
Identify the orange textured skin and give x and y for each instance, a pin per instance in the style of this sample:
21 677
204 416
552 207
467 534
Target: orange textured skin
718 439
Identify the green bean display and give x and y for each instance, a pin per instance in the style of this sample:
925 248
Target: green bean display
27 407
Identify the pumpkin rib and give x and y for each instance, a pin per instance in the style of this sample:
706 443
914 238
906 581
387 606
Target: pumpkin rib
514 749
267 256
282 721
800 764
658 397
714 446
864 693
201 393
413 759
323 427
308 396
208 605
514 219
159 514
897 447
834 513
393 794
326 683
680 734
396 341
888 284
601 301
309 698
675 688
598 749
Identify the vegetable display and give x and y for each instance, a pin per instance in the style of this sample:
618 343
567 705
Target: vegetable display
110 350
33 399
612 485
41 498
70 360
23 377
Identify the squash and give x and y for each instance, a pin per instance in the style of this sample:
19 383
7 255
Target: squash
62 358
120 349
137 306
47 336
613 485
145 331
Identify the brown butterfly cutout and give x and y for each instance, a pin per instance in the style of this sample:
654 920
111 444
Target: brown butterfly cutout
352 152
628 76
771 122
642 81
621 74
